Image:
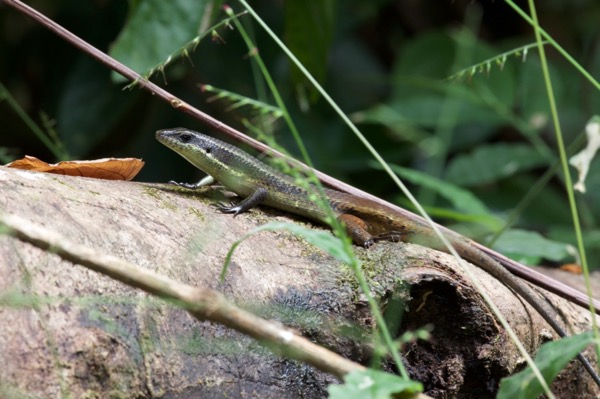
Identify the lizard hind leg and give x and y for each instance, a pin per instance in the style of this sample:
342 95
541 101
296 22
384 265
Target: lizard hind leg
357 229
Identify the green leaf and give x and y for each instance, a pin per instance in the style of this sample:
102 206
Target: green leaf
517 243
322 239
427 61
461 199
430 54
372 384
550 359
308 34
397 122
532 104
89 106
425 111
488 164
489 222
157 28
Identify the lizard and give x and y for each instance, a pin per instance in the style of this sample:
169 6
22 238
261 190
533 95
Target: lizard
366 221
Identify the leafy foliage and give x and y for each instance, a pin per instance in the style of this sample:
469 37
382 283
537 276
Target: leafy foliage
552 357
490 163
157 28
309 33
532 245
373 384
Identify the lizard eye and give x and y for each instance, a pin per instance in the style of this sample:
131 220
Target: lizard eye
185 137
208 150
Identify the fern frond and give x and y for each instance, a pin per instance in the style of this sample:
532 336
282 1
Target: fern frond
499 60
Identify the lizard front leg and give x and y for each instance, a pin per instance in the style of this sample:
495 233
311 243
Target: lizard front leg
206 181
254 199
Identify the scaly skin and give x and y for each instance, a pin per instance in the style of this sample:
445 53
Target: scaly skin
366 221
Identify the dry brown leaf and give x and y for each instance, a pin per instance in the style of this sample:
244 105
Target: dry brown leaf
105 168
573 268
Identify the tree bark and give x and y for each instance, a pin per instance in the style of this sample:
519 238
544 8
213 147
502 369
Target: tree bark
70 330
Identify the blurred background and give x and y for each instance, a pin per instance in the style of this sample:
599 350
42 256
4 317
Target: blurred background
448 91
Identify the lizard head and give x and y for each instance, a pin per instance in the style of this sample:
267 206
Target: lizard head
204 152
